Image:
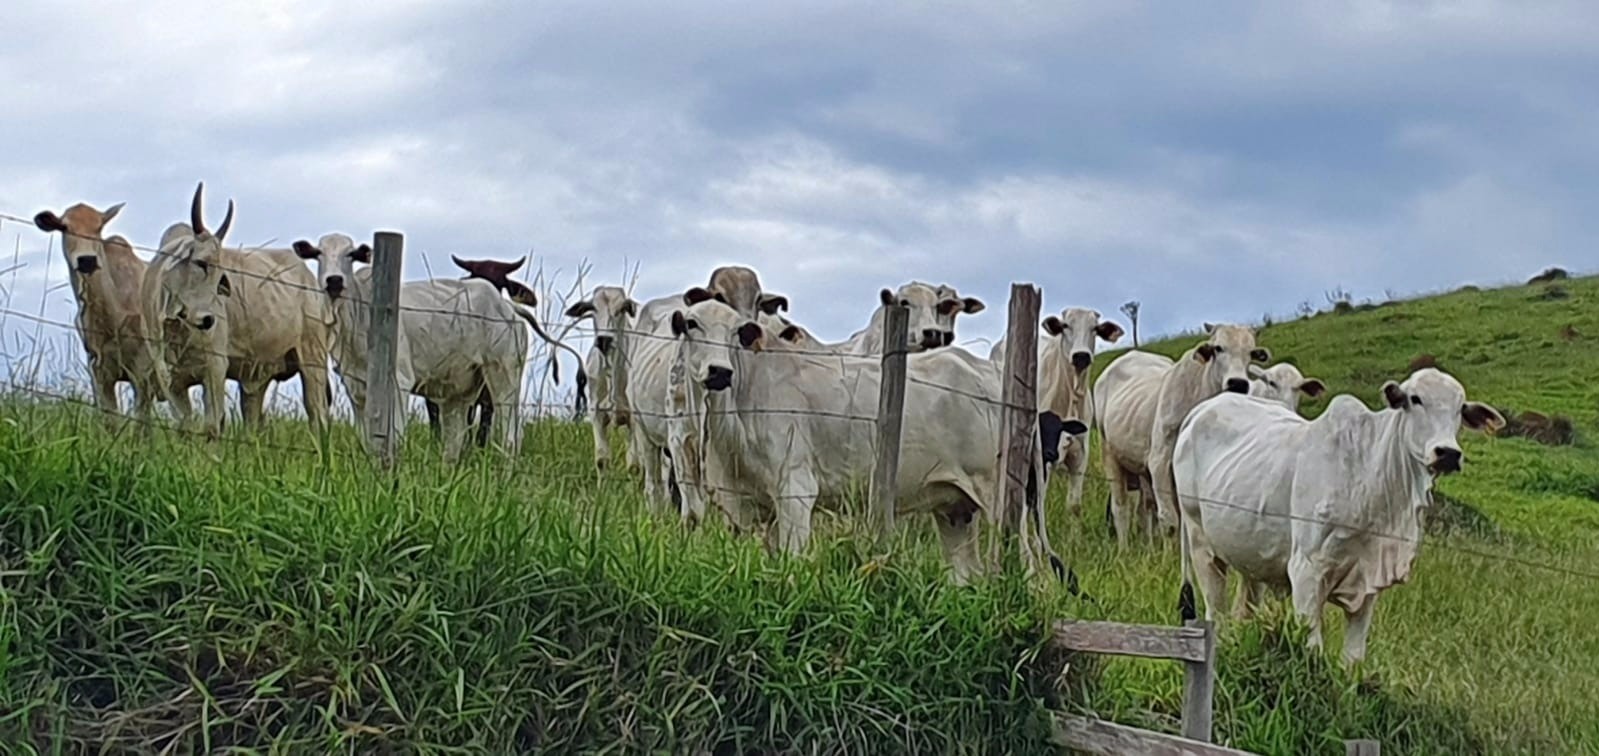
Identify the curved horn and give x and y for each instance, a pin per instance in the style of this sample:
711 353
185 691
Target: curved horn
513 267
462 264
196 215
227 220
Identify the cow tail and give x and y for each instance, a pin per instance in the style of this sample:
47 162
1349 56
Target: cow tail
1186 606
532 320
1037 491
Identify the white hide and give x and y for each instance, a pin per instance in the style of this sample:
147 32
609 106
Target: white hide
1126 393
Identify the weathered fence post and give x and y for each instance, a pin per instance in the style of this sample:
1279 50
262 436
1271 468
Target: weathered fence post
1019 426
1362 748
890 420
383 406
1199 687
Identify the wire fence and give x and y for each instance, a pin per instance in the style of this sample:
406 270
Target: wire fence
546 408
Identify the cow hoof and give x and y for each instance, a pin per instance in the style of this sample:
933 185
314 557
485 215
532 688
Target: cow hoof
1185 603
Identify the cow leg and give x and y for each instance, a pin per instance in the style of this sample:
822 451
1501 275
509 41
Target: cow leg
599 422
794 504
1117 510
314 393
1309 593
214 386
1165 486
104 385
1211 573
957 534
1250 595
651 464
1077 467
1146 509
182 408
1359 624
433 418
252 401
500 409
452 425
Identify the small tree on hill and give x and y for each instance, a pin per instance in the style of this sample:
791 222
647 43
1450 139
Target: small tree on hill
1130 309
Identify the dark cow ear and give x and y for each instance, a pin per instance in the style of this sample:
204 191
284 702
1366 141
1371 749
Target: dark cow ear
1313 387
1205 352
1479 416
1109 331
680 324
792 334
749 335
1395 396
771 303
224 288
630 308
697 295
306 250
1260 354
1210 328
1053 325
1049 431
1074 427
48 222
972 305
362 254
886 297
580 310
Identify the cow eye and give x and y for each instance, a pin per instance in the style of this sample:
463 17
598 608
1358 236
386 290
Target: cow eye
1218 350
904 303
1416 400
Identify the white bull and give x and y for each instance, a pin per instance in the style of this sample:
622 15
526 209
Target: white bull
457 338
1064 359
611 311
1331 508
796 429
1284 384
931 323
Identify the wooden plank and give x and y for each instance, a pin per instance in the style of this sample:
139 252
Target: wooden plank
1362 748
1185 644
1098 736
383 407
1199 685
1019 429
890 420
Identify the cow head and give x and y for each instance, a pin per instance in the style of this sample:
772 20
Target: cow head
498 273
1227 355
740 288
1079 331
81 228
336 256
789 334
193 284
1283 383
612 311
932 311
708 332
1434 406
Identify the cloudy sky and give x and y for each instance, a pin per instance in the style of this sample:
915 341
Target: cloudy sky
1217 161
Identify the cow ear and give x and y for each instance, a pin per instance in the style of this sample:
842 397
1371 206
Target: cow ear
630 308
1210 328
1109 331
749 335
680 324
362 254
1479 416
1053 325
1260 354
1256 371
696 295
792 334
1313 387
305 250
973 305
48 222
1205 352
581 309
771 303
886 297
1074 427
110 212
224 288
1395 396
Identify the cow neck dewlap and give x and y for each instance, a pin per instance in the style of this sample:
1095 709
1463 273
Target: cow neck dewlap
1385 498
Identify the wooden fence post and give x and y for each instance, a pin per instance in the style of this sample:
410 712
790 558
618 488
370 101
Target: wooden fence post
383 407
1362 748
890 421
1019 429
1199 687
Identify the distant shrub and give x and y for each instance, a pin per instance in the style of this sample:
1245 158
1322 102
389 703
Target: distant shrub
1551 293
1342 307
1423 361
1556 430
1549 274
1467 289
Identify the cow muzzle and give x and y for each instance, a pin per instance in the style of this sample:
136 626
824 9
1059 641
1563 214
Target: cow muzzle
1445 460
87 264
932 338
335 285
718 378
604 343
1081 361
1238 385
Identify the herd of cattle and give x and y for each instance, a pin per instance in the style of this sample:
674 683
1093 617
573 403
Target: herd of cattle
730 406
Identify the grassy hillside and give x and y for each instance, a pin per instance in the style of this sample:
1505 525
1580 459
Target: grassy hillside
257 592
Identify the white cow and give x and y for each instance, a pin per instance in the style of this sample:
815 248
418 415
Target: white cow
185 313
611 310
1331 508
277 325
456 338
737 286
797 428
1064 359
930 325
1284 384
